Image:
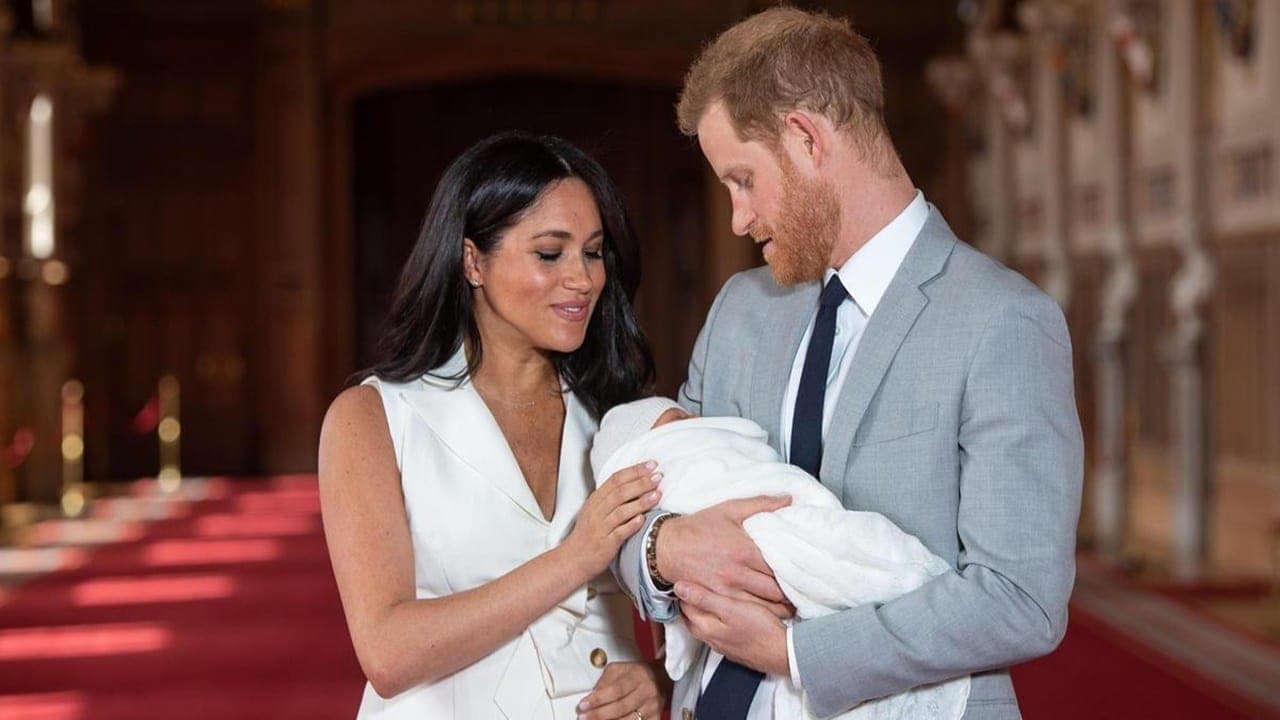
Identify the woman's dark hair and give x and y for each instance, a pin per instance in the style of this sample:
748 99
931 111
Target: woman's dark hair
484 192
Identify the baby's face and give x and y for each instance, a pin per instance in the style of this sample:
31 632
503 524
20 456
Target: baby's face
672 415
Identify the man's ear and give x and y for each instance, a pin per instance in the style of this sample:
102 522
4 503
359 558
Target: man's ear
806 139
471 263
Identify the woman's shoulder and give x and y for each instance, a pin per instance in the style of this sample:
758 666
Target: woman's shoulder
357 454
386 386
386 395
378 403
355 411
388 407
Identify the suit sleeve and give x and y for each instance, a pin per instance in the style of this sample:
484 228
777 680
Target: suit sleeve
1021 468
628 567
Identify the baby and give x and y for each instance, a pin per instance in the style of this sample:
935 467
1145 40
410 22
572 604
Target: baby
825 558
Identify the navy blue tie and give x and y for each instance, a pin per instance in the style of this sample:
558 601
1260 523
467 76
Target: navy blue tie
733 686
729 693
806 423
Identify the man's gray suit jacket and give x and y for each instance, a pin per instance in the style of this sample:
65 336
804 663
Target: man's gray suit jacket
957 421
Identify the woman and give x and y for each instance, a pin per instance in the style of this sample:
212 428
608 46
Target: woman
454 482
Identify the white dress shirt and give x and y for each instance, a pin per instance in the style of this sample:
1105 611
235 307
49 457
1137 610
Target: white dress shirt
866 275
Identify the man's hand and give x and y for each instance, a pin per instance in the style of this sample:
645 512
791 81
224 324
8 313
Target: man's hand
711 548
737 629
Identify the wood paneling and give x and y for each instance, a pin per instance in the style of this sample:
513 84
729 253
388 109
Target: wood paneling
169 232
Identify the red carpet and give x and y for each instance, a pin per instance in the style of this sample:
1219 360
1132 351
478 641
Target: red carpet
1097 674
231 612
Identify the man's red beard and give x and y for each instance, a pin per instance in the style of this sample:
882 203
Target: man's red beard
806 230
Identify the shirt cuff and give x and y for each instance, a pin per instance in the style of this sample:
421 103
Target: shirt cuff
791 660
661 606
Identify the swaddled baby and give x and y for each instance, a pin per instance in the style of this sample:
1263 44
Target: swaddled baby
825 558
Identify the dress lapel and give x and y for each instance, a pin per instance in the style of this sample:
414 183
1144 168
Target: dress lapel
888 326
789 315
459 418
575 480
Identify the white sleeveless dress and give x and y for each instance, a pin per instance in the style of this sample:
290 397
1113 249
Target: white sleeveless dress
473 518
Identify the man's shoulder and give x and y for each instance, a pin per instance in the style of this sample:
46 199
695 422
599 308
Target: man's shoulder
977 279
754 285
752 297
745 304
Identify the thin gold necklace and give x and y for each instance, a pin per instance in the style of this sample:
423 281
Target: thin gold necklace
484 395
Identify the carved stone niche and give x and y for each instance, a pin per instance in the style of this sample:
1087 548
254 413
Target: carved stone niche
1160 126
1245 102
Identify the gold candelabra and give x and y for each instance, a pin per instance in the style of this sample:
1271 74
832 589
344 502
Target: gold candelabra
169 432
73 488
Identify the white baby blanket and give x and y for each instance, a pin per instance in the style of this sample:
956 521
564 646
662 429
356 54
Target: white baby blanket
826 558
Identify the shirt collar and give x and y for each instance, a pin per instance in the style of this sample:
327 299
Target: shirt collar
867 274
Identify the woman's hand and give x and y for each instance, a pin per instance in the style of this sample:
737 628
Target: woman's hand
612 514
627 691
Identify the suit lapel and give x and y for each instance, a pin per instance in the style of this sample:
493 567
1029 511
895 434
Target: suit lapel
778 345
461 420
888 326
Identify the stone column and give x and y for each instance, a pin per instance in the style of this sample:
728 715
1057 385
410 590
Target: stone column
1192 286
995 56
1119 289
953 79
1044 21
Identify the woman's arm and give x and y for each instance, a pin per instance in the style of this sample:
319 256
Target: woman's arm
402 641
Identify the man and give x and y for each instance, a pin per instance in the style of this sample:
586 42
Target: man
914 376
